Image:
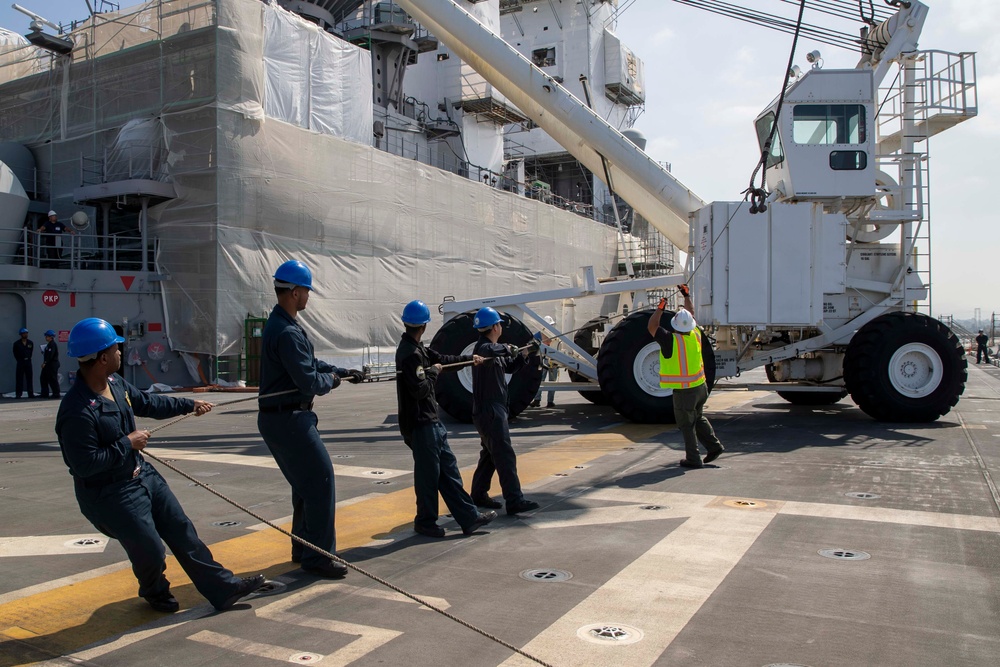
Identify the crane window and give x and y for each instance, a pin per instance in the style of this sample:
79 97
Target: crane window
828 124
848 160
763 126
544 57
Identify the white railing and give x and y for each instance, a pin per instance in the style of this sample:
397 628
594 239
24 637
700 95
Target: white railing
71 250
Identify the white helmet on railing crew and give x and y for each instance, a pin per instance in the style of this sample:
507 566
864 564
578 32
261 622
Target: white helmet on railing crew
683 321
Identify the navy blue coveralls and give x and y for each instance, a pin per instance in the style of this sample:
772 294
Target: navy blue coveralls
435 467
49 376
22 369
288 426
489 414
125 497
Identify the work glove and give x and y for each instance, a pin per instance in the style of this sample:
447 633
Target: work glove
662 305
354 376
534 346
511 350
684 290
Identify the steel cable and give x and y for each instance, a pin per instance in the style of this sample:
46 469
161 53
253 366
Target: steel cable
329 555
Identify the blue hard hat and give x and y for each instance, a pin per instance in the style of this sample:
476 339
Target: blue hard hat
91 336
294 272
22 331
50 332
416 313
486 317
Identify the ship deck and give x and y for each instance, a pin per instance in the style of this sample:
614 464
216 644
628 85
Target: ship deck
631 560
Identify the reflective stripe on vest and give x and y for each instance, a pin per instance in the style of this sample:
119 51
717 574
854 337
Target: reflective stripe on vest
685 368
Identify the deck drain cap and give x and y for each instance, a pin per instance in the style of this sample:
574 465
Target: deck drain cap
560 474
269 587
744 504
546 574
305 658
86 542
227 524
341 456
844 554
382 481
610 633
653 507
863 495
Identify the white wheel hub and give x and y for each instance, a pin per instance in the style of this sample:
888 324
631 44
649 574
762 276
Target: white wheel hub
646 369
465 373
915 370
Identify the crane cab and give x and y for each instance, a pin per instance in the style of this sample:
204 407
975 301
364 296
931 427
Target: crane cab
824 148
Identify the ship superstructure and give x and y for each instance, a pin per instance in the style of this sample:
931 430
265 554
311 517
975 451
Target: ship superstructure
191 146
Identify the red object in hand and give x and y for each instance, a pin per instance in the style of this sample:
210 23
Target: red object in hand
663 304
683 289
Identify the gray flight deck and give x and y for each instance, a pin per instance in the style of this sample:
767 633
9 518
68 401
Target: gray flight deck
632 560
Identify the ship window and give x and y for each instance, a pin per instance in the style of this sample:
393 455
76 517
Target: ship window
828 124
763 125
848 160
544 57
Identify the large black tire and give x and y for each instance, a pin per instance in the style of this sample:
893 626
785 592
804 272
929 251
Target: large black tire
454 390
805 397
584 338
628 368
905 367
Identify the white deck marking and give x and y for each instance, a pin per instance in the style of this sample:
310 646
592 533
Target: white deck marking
661 590
132 637
886 515
678 501
368 639
50 545
247 647
391 596
595 516
267 462
658 592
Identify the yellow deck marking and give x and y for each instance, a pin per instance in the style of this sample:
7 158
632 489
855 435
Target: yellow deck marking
62 620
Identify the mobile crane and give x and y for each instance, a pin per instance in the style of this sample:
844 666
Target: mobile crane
817 280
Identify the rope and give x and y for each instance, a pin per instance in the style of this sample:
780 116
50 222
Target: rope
238 400
333 557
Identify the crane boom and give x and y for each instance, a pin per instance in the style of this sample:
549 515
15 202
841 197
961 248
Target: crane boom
649 188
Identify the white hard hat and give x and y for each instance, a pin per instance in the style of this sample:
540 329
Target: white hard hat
683 321
549 320
51 213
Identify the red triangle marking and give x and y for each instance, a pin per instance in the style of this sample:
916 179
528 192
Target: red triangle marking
127 282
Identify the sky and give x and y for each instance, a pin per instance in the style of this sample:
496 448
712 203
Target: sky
708 76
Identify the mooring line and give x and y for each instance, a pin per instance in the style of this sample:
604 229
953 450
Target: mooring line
338 559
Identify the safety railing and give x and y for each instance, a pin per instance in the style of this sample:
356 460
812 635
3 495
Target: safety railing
71 250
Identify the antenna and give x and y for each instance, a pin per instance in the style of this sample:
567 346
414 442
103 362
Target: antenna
62 46
37 21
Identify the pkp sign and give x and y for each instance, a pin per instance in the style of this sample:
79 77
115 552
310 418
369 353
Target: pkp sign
50 297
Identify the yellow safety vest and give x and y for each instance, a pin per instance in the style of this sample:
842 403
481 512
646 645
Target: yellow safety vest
685 369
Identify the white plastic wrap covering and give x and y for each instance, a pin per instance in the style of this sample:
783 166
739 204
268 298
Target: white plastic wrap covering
315 80
13 206
377 231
